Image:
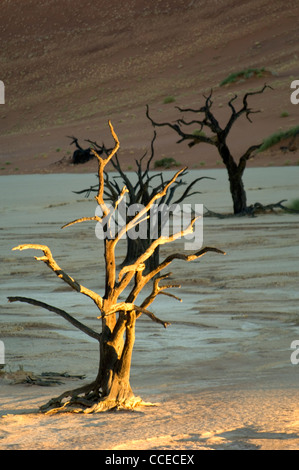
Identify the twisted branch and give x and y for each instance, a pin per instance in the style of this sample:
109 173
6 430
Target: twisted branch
51 263
159 290
102 163
60 312
183 257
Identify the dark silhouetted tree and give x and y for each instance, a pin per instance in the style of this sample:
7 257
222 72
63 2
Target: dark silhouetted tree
209 131
141 189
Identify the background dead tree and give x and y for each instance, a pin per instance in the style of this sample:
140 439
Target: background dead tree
217 136
80 155
111 387
141 190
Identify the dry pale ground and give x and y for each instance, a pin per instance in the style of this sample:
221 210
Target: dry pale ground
221 372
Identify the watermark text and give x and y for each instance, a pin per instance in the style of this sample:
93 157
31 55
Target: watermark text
2 353
295 353
161 220
295 94
2 92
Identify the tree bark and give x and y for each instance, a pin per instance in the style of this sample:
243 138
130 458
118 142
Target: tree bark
136 248
235 174
237 192
113 382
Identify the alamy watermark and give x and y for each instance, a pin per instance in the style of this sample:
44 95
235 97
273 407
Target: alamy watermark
2 353
160 220
295 353
295 94
2 92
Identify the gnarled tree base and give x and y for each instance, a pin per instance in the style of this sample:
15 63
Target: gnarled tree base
86 400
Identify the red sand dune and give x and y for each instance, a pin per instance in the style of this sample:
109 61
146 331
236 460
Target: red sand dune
69 66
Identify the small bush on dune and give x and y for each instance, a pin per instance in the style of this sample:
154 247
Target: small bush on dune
168 99
277 137
243 74
166 163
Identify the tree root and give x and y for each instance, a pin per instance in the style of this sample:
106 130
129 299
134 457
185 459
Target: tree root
87 399
114 404
83 405
74 396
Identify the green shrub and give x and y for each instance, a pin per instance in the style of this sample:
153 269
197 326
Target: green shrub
199 133
166 163
168 99
243 74
294 205
275 138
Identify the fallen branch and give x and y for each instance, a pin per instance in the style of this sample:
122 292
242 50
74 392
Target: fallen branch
253 209
45 379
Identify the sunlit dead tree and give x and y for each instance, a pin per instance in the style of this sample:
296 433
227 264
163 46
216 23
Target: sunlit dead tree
111 387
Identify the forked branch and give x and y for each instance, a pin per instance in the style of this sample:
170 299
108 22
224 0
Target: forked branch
243 110
127 272
183 257
141 281
51 263
157 289
102 163
208 120
143 212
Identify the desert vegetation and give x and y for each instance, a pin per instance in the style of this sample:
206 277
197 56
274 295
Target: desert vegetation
291 134
244 75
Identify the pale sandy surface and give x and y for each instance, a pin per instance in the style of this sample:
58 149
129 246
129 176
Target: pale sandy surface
221 372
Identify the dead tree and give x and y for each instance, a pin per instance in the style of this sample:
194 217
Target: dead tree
111 387
217 136
141 192
80 155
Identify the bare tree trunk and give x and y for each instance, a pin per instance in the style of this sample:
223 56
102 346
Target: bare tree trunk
235 176
113 381
238 193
